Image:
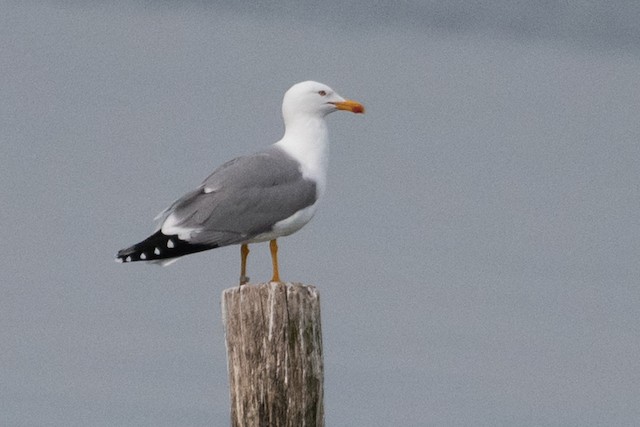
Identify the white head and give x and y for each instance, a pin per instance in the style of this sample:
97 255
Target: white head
315 99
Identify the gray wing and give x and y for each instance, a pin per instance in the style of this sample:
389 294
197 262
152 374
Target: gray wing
243 198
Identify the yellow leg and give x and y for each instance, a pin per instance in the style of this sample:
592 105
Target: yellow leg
244 253
273 245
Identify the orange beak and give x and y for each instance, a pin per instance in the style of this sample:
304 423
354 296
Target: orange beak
349 105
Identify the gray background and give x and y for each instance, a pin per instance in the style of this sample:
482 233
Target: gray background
477 252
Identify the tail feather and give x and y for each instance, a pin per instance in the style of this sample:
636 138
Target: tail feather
160 248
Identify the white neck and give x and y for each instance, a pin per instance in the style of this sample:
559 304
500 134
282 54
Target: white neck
306 140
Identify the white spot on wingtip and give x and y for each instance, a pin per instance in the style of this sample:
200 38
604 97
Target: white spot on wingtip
143 256
156 251
127 259
119 260
170 244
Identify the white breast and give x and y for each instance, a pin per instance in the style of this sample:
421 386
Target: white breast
307 141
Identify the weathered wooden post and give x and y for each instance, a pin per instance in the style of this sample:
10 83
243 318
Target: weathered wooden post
274 355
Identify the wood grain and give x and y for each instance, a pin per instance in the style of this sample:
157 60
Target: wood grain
274 355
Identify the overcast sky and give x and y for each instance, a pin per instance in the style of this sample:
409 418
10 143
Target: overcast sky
477 253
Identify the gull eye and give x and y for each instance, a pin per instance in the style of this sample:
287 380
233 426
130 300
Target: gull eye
322 93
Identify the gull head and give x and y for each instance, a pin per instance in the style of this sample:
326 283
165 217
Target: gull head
315 99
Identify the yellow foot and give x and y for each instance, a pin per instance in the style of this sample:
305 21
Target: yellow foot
273 246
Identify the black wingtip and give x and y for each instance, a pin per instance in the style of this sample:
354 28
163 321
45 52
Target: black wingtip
159 246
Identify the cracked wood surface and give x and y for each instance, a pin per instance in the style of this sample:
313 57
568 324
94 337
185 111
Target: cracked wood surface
274 355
